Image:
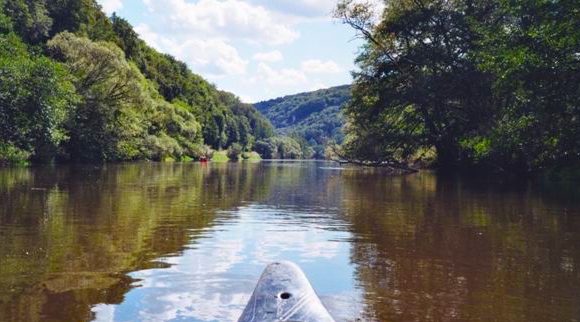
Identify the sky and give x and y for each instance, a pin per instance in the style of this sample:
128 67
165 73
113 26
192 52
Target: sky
256 49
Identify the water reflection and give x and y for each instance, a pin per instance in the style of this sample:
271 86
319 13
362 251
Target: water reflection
436 249
69 235
187 242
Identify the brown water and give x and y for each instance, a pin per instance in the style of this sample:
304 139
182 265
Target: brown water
187 242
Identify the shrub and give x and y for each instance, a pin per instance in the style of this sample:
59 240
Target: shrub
234 152
10 154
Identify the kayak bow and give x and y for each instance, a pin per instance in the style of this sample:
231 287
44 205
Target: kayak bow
283 293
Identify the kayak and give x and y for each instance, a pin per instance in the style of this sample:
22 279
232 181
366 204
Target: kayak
283 293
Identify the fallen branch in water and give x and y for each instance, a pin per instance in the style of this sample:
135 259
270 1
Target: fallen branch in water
389 164
395 166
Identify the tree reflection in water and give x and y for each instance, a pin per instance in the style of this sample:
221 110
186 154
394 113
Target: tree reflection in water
152 241
446 249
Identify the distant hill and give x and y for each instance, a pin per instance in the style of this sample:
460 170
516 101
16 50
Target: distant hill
313 116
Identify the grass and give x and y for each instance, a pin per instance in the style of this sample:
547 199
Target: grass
220 157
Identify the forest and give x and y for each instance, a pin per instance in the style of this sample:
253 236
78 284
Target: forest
455 84
76 85
313 119
491 84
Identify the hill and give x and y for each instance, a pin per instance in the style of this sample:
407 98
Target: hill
313 117
78 85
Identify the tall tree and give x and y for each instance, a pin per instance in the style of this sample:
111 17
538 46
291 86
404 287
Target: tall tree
30 19
37 97
417 86
106 83
533 50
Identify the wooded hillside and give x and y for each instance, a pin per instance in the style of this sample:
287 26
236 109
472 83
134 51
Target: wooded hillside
78 85
314 118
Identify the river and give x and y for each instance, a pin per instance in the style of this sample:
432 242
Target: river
187 242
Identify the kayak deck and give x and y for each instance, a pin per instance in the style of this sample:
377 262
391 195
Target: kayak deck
283 293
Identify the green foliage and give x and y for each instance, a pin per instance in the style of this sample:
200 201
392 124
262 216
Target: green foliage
535 63
279 147
30 18
203 152
5 20
121 116
265 148
10 154
35 100
109 87
102 94
246 124
235 152
83 17
490 83
220 156
313 118
225 119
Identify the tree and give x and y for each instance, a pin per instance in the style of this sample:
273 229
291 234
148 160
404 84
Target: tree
5 20
314 116
30 19
37 97
234 152
127 101
122 116
532 50
418 86
107 84
265 148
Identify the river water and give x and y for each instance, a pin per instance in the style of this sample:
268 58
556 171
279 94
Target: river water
187 242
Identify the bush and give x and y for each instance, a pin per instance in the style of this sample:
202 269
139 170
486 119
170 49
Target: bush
160 148
234 152
10 154
265 149
200 152
279 147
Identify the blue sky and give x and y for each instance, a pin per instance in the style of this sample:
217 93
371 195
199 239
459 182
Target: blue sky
257 49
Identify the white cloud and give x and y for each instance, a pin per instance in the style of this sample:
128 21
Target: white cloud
230 19
295 76
110 6
317 86
245 46
269 57
310 75
149 36
301 8
213 57
281 77
316 66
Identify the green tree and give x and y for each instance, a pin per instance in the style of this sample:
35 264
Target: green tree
265 148
133 102
30 18
5 20
234 152
83 17
312 117
108 84
417 86
532 50
37 97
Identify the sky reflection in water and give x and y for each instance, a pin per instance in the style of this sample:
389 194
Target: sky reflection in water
187 242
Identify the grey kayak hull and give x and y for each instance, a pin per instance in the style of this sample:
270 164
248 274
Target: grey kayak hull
283 293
